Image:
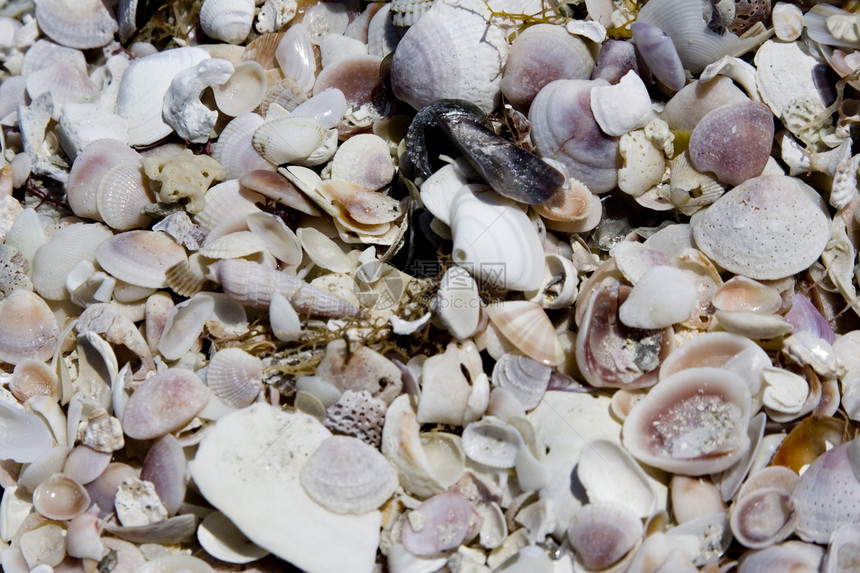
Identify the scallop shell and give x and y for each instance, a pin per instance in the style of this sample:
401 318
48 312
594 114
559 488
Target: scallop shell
523 377
88 169
80 24
122 196
292 139
227 20
526 325
453 51
345 475
235 376
234 149
140 257
692 423
769 227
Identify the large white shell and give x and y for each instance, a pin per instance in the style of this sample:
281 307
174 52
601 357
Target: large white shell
768 227
453 51
56 258
345 475
271 446
142 90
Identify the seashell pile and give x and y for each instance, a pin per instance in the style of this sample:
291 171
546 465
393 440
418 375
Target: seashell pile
429 285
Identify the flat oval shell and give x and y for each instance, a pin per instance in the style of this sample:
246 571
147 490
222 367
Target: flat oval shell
164 403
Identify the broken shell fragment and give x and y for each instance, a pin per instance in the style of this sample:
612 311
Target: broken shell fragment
693 422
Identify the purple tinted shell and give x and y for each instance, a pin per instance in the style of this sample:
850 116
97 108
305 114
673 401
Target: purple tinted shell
733 141
660 55
806 318
615 59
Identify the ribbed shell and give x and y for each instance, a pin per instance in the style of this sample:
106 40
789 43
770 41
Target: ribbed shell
79 24
235 376
345 475
140 257
121 196
234 150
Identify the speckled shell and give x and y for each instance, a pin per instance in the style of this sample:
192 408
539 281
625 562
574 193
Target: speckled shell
769 227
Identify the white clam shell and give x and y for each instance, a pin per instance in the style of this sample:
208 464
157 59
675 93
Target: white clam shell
234 149
492 442
458 304
289 139
243 91
766 228
140 257
295 56
345 475
495 240
227 20
622 107
142 90
453 51
235 376
365 160
31 437
56 258
693 422
661 297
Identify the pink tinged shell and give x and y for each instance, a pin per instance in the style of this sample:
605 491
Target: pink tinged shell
357 77
763 513
164 466
253 284
614 60
733 141
85 464
692 423
60 497
610 354
103 489
65 81
658 51
83 537
164 403
827 495
275 186
346 475
526 326
77 23
541 54
445 520
769 227
88 169
806 318
564 128
235 377
140 257
602 533
28 328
